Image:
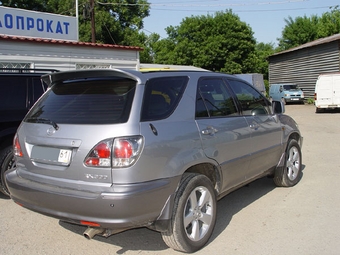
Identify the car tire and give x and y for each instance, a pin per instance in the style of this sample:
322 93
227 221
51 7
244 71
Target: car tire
194 212
290 174
7 162
319 110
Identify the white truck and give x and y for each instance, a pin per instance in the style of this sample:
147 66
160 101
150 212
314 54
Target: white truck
327 92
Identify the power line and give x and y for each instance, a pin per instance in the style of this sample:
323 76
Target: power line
258 10
242 4
180 4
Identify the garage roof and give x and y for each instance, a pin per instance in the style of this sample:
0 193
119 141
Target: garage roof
311 44
63 42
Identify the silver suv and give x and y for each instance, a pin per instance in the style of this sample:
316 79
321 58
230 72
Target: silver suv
120 149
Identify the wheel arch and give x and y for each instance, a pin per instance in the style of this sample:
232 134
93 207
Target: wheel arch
296 136
293 136
6 141
209 170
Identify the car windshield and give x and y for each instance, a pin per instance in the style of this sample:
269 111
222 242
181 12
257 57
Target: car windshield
291 87
92 101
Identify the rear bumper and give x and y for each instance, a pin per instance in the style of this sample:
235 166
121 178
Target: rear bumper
327 106
124 206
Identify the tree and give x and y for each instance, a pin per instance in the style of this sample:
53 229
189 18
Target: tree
298 31
329 23
219 42
116 21
34 5
263 51
303 29
145 42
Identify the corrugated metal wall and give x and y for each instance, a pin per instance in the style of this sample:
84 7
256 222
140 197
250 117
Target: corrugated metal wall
303 66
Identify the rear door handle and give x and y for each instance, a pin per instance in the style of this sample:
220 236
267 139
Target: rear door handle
209 131
254 126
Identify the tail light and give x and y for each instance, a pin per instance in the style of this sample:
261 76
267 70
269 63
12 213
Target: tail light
126 151
118 152
16 147
100 155
315 97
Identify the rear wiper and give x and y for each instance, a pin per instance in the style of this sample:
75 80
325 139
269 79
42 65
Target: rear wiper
45 121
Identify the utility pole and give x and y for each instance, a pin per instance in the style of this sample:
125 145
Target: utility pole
77 18
93 28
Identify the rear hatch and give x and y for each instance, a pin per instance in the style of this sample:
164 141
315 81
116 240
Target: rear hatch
73 116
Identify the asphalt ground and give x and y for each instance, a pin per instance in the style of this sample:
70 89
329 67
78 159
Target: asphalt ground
257 219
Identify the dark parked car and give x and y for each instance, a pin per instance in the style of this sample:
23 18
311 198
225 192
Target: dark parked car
19 89
119 149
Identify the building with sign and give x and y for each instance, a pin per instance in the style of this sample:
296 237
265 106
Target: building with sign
31 39
19 22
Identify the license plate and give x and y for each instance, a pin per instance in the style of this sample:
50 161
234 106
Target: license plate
295 99
64 156
49 155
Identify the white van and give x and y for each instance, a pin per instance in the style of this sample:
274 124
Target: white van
327 92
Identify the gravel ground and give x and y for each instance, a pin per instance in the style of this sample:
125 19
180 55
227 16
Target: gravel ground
256 219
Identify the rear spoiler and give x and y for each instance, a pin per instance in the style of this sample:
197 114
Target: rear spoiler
52 78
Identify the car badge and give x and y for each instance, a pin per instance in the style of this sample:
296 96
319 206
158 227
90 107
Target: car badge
50 131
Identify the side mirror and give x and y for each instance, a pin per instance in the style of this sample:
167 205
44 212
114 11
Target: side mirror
278 107
281 89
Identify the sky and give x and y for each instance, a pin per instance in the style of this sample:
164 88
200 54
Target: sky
265 17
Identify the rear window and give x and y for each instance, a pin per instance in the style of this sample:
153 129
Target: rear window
162 96
90 101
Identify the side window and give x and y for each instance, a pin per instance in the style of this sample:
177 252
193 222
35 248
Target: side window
161 97
213 99
252 101
13 91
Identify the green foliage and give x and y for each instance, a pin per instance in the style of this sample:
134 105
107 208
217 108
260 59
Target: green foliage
34 5
263 51
306 29
219 43
298 31
266 84
329 23
310 100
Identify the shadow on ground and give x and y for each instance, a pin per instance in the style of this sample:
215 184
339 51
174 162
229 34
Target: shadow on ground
148 240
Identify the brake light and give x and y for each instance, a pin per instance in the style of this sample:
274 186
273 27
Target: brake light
100 155
123 149
118 152
16 147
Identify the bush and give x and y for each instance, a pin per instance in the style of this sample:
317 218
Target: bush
310 100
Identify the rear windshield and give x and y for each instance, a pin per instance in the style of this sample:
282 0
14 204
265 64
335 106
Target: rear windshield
91 101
